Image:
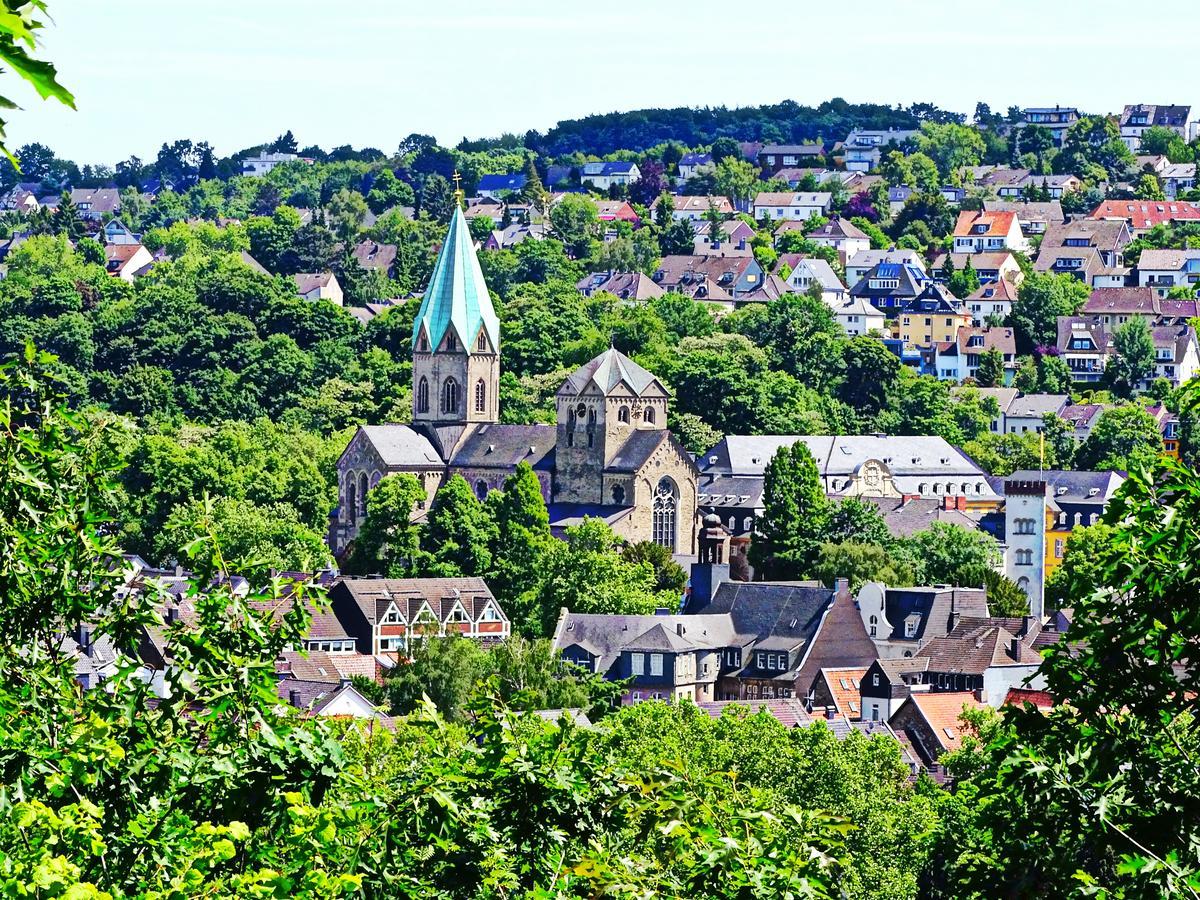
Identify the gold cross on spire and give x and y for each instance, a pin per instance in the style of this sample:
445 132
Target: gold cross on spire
458 184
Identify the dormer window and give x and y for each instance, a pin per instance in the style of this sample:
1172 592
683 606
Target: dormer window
451 341
482 344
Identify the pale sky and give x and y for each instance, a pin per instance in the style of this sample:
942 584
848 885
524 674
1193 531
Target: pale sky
368 73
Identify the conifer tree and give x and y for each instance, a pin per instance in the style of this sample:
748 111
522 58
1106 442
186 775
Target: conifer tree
788 534
459 534
520 541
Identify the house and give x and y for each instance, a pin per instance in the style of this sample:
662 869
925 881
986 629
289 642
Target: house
693 164
903 620
124 261
604 175
1152 164
319 286
991 300
863 148
1092 249
115 232
1162 270
843 236
1177 178
774 157
958 360
1081 417
616 211
858 265
385 616
485 208
497 187
887 683
1116 306
800 206
898 196
1026 412
932 722
1033 217
932 317
95 203
891 466
733 237
857 316
1168 427
978 230
1053 186
1176 355
987 656
759 641
22 197
632 286
1057 120
1001 178
256 166
317 698
374 255
837 689
953 194
696 207
772 288
1085 345
889 286
992 267
1073 500
1142 215
1137 118
809 271
507 238
735 276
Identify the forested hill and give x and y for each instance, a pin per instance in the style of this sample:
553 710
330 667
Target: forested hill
781 123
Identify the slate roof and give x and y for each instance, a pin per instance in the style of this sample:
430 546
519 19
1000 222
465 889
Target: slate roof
907 516
514 182
101 200
373 255
1036 405
457 295
608 370
1073 488
401 445
933 607
637 449
837 229
934 298
974 648
1169 116
495 446
606 636
625 285
789 712
567 515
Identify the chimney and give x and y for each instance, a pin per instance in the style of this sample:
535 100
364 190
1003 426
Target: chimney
83 637
178 571
1014 648
841 586
981 695
952 623
172 615
1026 625
294 698
830 712
960 502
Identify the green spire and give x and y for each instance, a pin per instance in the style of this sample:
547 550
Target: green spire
457 295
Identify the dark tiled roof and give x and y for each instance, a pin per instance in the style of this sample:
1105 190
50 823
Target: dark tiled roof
636 450
503 446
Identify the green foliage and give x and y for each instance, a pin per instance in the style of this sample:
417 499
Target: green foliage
459 533
387 542
1124 437
787 534
1133 357
1041 299
250 536
18 40
991 368
1082 569
945 553
860 563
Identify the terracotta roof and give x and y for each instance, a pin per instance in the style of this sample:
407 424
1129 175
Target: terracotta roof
1040 699
1144 214
843 684
998 224
999 291
942 710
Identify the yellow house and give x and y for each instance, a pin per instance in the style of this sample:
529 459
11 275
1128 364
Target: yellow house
934 316
1073 500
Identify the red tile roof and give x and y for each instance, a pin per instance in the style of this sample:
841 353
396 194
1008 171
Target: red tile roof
843 686
999 224
1040 699
942 711
1142 214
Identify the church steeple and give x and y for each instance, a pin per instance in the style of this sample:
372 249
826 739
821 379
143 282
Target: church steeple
456 338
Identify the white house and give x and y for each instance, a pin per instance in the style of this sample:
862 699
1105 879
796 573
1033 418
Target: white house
857 316
1136 118
604 175
863 148
1178 178
843 236
801 206
1165 269
1176 357
263 163
319 286
977 231
808 271
959 359
695 208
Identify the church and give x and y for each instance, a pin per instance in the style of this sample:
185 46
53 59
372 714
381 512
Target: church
608 456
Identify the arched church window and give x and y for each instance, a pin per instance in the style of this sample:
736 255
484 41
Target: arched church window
618 494
623 415
664 513
352 500
480 396
450 396
481 345
648 415
422 343
423 395
481 489
362 495
451 341
591 427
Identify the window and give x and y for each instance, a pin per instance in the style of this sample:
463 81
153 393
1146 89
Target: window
637 663
760 660
450 397
656 664
362 495
875 679
481 489
423 396
623 415
480 396
664 510
618 494
648 415
352 500
481 345
874 626
1058 548
910 628
451 341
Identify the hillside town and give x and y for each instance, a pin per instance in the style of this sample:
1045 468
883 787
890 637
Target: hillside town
831 465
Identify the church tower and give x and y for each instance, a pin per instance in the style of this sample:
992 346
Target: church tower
456 339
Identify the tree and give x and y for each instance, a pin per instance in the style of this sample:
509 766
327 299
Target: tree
1124 437
678 238
285 143
437 199
1041 300
951 146
347 209
1133 357
651 183
66 220
19 37
670 578
871 371
1054 376
1149 188
945 553
533 190
853 519
388 191
991 369
250 536
1082 569
575 221
1093 150
737 180
1161 141
860 563
387 542
522 540
787 533
447 670
802 337
459 533
586 573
